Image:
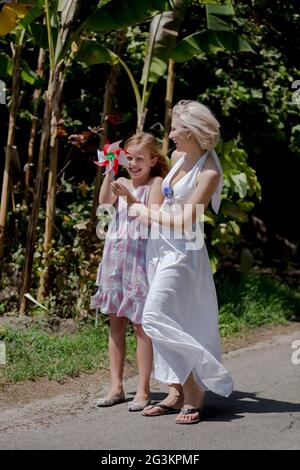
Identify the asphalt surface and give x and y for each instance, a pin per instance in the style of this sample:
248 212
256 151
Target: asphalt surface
262 413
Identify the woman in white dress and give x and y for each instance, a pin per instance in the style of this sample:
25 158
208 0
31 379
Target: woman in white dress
181 309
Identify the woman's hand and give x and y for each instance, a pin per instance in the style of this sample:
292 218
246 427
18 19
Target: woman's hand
140 211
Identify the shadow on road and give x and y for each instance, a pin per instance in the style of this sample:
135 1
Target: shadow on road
241 403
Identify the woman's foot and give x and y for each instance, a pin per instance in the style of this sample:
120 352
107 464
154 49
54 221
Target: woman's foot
193 404
189 416
173 401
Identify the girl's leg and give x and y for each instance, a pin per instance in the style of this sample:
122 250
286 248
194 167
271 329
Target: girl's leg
144 356
116 349
193 398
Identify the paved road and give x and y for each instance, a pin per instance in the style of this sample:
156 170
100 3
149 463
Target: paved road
262 413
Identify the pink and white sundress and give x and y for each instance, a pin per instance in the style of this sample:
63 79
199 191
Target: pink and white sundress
121 277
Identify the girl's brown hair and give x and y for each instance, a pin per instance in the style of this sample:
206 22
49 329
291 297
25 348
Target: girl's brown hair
148 140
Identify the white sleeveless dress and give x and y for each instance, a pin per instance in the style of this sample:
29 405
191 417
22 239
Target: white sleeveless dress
181 310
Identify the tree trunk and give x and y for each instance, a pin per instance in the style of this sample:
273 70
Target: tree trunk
110 88
168 104
35 101
44 287
68 31
109 94
53 84
141 121
107 109
10 142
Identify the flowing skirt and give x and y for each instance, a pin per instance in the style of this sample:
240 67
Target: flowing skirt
181 316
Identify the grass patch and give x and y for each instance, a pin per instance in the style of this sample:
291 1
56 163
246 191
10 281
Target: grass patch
252 300
34 353
245 302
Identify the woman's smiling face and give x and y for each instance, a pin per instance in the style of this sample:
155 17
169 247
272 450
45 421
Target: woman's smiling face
178 134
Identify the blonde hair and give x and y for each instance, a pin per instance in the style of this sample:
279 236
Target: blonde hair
148 140
200 121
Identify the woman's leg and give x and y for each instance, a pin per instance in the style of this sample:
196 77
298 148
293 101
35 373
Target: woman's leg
116 349
144 354
173 400
193 398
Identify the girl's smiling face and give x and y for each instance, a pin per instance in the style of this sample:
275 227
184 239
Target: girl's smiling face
140 162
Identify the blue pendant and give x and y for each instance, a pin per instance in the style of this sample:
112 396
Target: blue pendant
168 192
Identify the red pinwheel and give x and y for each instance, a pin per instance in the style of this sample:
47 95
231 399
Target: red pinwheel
111 157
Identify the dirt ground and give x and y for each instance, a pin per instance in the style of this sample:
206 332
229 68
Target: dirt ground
26 392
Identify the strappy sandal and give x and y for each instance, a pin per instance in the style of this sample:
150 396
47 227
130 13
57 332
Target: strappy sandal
190 411
103 402
167 410
138 405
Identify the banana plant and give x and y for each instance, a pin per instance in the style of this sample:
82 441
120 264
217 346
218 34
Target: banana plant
219 36
163 35
164 25
67 15
13 17
71 17
11 14
10 148
163 49
112 15
162 38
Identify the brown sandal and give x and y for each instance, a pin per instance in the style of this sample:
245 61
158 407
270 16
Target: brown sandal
167 410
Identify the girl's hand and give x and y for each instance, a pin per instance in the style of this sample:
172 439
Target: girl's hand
119 189
140 211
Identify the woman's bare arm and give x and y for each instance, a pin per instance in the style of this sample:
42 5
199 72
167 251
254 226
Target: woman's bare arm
207 183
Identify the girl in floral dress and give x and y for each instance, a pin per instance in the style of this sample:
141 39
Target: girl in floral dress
121 278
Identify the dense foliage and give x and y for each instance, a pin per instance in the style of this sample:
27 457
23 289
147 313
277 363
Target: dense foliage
252 93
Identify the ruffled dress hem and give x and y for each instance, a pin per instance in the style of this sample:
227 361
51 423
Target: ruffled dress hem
112 302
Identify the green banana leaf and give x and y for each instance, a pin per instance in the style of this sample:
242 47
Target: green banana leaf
33 14
162 39
40 35
209 42
91 53
217 16
27 74
6 69
122 13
